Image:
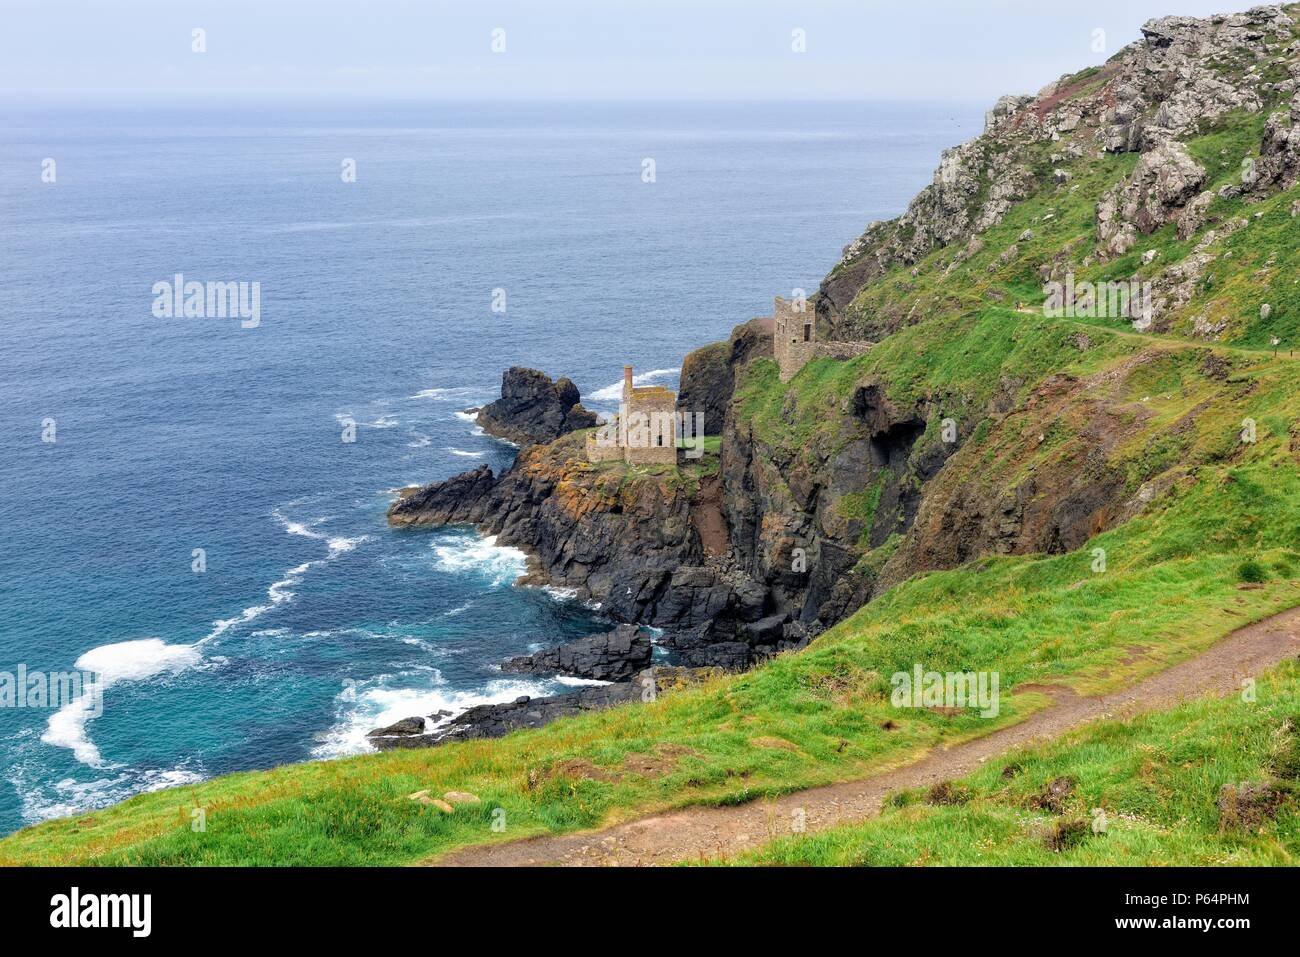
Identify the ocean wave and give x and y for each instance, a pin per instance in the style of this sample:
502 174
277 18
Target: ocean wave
469 553
420 441
111 664
613 393
459 394
280 591
462 452
41 802
383 422
361 710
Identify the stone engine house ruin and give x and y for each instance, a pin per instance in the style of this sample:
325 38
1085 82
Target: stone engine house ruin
645 430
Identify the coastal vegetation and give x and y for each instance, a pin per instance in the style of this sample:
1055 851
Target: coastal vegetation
1075 502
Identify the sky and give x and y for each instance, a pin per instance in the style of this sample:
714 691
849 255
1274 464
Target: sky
90 51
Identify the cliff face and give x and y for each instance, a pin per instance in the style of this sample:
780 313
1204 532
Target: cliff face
709 374
1185 78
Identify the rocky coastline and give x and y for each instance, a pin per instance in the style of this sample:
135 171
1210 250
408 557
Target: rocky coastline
817 501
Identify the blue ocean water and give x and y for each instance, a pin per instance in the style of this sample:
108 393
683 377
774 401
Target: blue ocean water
313 621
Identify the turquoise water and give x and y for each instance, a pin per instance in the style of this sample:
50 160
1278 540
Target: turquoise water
312 621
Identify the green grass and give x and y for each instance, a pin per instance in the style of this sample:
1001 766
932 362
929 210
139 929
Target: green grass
712 444
1171 589
1152 784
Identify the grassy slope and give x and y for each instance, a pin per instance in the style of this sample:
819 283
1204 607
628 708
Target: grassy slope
1256 265
1157 779
1170 589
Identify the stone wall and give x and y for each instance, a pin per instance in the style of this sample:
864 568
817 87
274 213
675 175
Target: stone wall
602 449
842 350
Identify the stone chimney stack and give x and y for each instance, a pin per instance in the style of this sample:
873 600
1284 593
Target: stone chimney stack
627 380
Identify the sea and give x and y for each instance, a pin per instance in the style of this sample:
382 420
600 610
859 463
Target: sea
195 572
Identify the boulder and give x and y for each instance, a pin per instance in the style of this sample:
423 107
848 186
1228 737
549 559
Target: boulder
407 727
614 656
533 409
1192 218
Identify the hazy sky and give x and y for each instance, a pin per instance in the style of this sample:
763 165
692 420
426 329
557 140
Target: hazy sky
86 50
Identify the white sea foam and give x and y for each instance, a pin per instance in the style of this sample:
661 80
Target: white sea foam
465 416
111 664
420 440
462 452
613 393
361 710
40 802
459 394
502 564
281 591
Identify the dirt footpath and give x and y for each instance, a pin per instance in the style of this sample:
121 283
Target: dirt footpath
697 833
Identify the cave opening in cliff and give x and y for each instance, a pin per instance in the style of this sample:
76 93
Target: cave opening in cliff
891 446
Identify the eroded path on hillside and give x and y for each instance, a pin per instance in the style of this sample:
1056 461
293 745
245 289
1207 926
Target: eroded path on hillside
700 833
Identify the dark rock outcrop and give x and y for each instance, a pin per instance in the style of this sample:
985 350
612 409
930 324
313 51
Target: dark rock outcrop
497 720
461 499
614 656
532 408
709 373
400 729
705 387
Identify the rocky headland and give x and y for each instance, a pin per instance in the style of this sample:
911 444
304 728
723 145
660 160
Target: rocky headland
821 497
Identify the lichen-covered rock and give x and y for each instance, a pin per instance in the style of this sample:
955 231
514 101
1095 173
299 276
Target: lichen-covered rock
1192 218
1163 182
